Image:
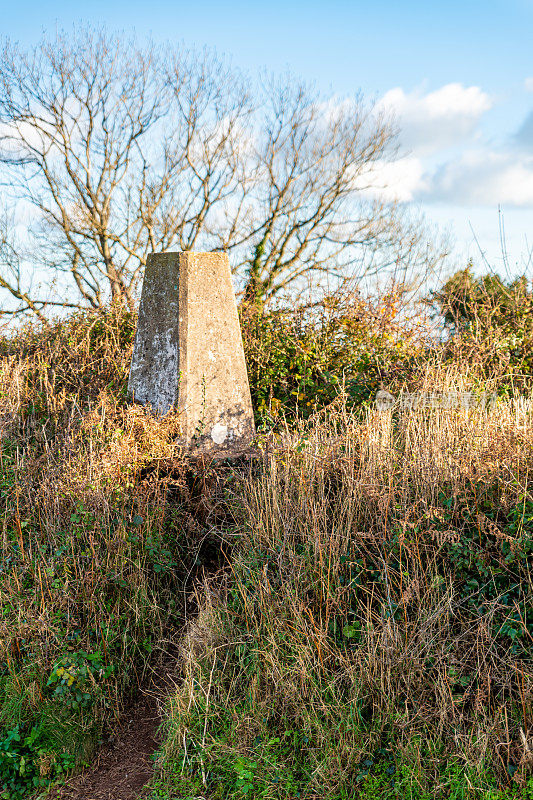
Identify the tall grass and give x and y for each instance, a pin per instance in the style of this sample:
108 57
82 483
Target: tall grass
367 627
93 560
372 634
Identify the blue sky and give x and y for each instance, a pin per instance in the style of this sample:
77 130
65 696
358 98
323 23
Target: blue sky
458 76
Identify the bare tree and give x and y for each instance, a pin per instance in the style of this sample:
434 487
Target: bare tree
116 150
308 209
315 211
94 143
11 274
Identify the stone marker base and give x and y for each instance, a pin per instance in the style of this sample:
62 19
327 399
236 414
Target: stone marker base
188 352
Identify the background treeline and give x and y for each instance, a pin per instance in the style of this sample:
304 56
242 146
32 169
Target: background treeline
300 359
111 149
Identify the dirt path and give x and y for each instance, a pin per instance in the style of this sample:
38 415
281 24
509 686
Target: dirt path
123 766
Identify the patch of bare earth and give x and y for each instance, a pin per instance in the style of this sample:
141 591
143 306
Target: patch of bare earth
124 765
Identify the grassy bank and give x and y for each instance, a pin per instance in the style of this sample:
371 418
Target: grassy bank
363 615
94 557
372 636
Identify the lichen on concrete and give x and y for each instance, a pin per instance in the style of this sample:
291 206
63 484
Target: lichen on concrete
188 352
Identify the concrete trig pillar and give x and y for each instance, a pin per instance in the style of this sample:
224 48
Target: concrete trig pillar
188 351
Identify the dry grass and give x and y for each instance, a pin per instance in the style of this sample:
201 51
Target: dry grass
93 557
378 607
373 617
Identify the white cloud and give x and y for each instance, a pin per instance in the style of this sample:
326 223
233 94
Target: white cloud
334 109
439 119
481 178
394 180
528 84
15 136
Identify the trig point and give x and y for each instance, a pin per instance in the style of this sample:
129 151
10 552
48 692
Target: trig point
188 351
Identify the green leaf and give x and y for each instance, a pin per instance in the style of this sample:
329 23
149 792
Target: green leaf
352 631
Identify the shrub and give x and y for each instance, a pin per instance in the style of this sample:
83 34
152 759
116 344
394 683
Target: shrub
93 557
374 628
29 760
490 322
298 363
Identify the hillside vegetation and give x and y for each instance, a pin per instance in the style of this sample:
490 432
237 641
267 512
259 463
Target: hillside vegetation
350 611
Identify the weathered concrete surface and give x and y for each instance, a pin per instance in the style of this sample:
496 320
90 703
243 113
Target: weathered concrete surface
188 351
154 372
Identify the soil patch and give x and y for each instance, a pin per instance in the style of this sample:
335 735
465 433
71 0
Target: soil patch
124 765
